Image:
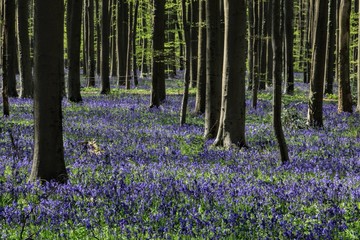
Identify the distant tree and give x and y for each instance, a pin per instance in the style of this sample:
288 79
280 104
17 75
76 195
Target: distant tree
105 33
74 37
89 26
10 47
201 66
26 78
277 81
231 130
158 67
315 110
345 98
48 163
194 19
213 68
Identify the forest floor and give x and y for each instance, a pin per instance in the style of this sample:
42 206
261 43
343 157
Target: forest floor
134 173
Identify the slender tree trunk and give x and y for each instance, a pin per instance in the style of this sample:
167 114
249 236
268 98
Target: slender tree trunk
26 78
105 71
134 29
289 43
231 131
128 52
74 39
122 38
98 38
90 43
315 110
48 163
277 82
201 67
5 96
158 68
144 66
251 29
10 47
345 98
330 50
194 41
188 61
255 82
358 73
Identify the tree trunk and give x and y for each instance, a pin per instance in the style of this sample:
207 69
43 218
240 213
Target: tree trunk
122 38
201 67
90 43
26 79
231 131
128 52
345 99
5 96
330 49
10 46
134 59
74 38
158 68
48 163
105 27
277 81
188 61
213 69
289 43
358 73
194 41
315 110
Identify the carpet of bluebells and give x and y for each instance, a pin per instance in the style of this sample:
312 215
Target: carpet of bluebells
134 173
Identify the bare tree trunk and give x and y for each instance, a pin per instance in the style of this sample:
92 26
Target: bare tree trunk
289 42
201 71
345 98
315 110
330 49
105 81
231 131
134 64
277 82
48 163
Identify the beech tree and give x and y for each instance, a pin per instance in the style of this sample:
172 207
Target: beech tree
315 110
74 34
277 81
25 70
158 67
345 98
213 68
48 163
105 33
231 130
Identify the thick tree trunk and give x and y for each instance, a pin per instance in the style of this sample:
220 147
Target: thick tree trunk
358 73
105 71
158 67
231 131
90 43
345 98
26 79
201 67
48 163
277 81
213 69
5 96
74 38
315 111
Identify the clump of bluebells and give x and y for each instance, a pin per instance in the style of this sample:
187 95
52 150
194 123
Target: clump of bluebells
136 174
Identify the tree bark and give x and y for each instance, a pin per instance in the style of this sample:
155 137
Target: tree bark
201 66
105 71
213 69
74 38
315 110
26 79
231 131
345 98
330 49
158 68
277 82
121 37
48 163
289 43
